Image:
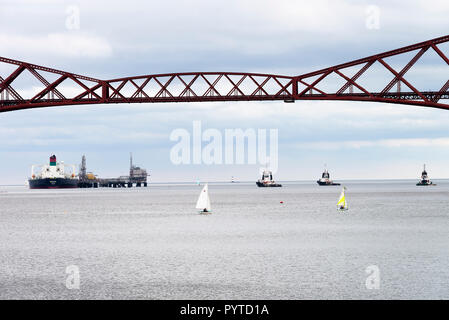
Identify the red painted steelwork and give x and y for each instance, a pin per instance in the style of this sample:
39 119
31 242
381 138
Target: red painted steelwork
226 86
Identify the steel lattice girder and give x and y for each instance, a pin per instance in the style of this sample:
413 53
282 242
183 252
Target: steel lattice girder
226 86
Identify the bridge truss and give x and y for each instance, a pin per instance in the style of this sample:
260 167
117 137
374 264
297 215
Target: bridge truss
61 88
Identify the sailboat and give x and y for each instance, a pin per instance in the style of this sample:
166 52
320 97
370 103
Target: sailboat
203 203
341 204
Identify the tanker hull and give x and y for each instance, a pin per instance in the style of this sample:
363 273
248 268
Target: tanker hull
53 183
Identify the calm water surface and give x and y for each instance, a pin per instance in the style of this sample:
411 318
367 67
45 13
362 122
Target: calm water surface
151 243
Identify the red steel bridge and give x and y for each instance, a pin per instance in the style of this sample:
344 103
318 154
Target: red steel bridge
226 86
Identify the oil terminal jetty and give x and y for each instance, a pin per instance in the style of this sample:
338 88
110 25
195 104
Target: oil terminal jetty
137 178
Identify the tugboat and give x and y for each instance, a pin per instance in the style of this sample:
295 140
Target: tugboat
425 181
53 176
267 180
325 179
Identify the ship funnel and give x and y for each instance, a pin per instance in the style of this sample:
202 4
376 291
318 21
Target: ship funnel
53 160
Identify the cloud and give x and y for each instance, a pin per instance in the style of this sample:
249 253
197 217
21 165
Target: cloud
281 37
383 143
56 44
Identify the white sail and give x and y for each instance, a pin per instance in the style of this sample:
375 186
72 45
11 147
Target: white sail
204 200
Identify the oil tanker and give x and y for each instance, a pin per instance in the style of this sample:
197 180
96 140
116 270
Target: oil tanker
53 176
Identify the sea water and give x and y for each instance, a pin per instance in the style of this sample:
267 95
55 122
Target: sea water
259 243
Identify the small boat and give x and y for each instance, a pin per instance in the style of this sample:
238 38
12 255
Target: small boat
267 180
425 181
341 204
325 179
203 203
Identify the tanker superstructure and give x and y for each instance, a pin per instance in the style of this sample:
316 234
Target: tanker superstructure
53 176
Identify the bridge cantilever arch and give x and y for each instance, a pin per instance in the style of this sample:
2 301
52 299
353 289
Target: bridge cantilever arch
61 88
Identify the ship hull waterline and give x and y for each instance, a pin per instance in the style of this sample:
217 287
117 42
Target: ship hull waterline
53 183
327 184
268 185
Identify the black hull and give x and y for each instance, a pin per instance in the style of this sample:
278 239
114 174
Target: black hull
264 185
57 183
425 184
327 184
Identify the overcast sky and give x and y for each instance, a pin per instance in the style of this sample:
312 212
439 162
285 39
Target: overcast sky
115 39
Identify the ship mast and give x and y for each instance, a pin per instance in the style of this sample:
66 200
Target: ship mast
131 171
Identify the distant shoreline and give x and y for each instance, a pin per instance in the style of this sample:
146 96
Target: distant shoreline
250 182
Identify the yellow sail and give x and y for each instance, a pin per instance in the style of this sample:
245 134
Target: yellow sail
342 200
341 204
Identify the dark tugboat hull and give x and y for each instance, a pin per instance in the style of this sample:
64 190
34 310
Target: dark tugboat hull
327 184
268 185
425 184
57 183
